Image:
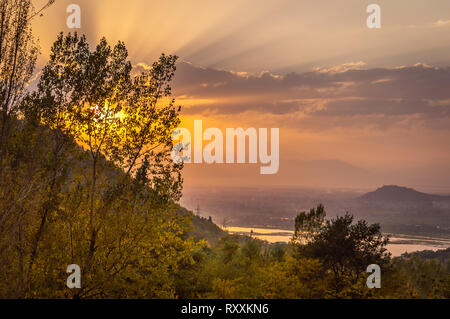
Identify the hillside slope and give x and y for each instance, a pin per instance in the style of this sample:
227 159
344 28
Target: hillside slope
401 194
202 228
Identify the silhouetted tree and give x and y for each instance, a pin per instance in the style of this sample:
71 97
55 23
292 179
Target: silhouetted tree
345 248
18 53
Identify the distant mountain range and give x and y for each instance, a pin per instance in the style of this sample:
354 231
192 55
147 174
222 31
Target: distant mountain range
393 193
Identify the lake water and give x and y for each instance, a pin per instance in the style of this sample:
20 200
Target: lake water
398 245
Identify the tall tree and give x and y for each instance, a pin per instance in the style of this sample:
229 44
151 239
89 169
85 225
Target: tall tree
18 53
20 168
125 127
52 106
344 248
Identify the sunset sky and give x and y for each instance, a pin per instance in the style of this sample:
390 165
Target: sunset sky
356 107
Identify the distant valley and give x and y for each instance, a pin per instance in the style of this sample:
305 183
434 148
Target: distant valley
398 209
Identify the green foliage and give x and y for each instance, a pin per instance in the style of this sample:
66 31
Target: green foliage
425 278
308 224
345 249
203 228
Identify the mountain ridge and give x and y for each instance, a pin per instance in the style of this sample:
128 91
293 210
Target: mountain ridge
401 194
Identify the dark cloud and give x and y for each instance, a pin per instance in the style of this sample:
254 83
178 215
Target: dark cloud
380 106
418 90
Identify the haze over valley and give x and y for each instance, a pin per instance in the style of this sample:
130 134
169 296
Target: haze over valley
413 217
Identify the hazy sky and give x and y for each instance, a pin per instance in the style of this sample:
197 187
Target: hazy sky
356 107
